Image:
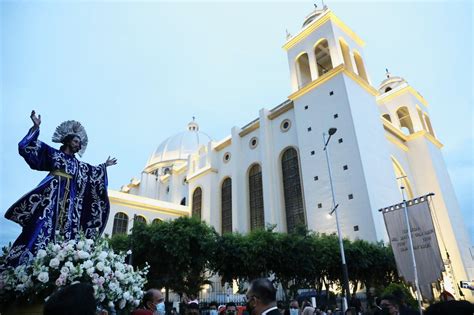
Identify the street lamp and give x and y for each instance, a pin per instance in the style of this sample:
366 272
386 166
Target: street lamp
345 274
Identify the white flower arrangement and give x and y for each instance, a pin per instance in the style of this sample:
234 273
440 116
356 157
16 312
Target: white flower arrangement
62 263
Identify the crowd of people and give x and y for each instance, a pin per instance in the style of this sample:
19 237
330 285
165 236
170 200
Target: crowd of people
78 299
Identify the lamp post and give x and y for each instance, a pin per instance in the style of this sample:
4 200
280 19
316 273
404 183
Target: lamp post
345 273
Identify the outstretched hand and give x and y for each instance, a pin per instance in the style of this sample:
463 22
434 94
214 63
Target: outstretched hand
36 120
110 161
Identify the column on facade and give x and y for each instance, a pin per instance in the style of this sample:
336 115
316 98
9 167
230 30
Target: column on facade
215 211
172 181
334 51
293 74
240 215
270 172
313 67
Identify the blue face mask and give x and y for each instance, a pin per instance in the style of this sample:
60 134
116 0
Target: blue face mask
213 312
294 311
160 308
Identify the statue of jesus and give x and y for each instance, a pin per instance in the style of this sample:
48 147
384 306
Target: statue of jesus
71 199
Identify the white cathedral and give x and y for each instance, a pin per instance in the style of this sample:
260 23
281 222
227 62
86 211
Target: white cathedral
273 170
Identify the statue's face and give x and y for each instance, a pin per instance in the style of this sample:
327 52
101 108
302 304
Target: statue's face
75 144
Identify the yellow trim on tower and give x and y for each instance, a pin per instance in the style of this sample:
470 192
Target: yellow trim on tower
396 142
427 135
394 130
328 16
327 76
363 83
407 89
435 141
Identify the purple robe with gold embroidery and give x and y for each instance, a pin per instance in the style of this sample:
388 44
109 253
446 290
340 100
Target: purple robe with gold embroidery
71 199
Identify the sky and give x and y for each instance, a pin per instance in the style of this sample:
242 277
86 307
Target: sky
135 73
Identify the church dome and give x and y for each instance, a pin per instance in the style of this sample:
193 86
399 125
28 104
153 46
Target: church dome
314 15
177 148
391 83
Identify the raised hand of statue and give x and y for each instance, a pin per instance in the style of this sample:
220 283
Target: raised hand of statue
110 161
36 119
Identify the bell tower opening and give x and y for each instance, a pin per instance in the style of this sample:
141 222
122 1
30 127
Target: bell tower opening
323 57
405 119
303 70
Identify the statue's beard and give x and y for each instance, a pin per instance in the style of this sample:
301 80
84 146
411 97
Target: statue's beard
73 149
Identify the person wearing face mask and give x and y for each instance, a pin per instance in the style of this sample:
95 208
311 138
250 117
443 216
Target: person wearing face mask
261 298
231 308
152 304
213 308
294 308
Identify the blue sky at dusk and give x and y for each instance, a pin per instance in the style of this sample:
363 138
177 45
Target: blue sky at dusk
135 73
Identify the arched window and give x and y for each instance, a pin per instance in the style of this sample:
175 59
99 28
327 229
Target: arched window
226 205
323 57
302 70
183 201
346 55
360 66
256 197
387 89
139 218
197 203
428 124
403 179
387 117
156 221
292 189
405 119
120 223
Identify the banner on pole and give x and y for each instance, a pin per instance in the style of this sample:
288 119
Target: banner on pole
425 245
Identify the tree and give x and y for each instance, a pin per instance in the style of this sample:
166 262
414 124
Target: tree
177 251
120 242
245 257
298 261
370 265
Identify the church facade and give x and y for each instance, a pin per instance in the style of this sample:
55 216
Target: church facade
274 169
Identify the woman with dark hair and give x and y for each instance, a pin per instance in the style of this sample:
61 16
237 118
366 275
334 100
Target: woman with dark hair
71 199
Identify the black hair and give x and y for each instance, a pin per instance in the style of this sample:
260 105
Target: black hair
264 290
230 304
67 139
147 297
76 299
213 303
391 298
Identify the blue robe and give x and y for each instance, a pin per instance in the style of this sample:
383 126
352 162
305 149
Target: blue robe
71 199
